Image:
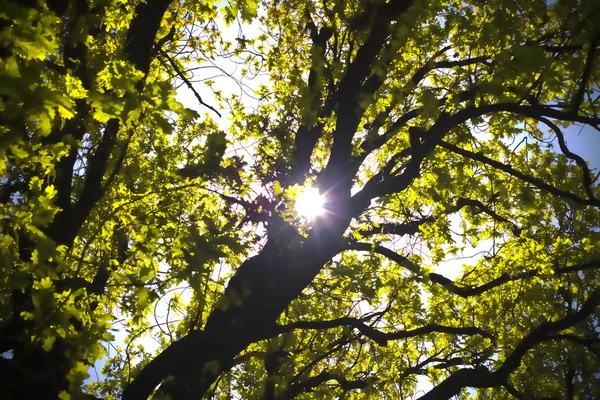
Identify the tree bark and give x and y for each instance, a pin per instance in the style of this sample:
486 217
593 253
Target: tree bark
267 284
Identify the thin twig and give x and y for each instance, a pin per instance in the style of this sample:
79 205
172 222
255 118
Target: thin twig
187 82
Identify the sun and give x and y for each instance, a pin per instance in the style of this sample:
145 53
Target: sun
309 203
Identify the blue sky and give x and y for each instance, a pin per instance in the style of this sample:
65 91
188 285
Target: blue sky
584 141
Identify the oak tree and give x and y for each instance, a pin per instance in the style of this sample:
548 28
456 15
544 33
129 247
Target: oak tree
456 251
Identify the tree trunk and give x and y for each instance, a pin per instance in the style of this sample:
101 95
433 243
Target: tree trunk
266 285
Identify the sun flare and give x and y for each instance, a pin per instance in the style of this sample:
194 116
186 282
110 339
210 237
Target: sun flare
309 203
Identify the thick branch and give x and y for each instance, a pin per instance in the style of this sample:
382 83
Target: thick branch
412 227
401 229
138 48
533 111
336 175
379 337
75 59
544 332
372 144
306 137
431 64
517 174
465 291
483 378
305 142
310 383
142 32
587 175
46 371
463 202
505 278
266 284
387 253
360 67
376 187
585 77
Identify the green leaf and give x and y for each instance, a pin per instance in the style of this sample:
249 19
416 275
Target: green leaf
48 342
18 151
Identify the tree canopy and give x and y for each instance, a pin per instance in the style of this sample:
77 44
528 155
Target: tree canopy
457 252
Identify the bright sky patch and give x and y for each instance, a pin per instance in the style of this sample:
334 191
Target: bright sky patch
309 203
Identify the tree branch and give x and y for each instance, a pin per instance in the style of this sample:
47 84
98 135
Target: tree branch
412 227
464 202
309 384
138 48
431 64
379 337
335 177
187 82
587 175
450 285
482 378
585 77
400 229
517 174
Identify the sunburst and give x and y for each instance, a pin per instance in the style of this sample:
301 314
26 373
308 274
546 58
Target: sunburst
309 203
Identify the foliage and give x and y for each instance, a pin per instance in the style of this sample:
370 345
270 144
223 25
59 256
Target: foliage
432 129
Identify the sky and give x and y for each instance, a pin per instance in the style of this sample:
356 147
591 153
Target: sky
584 141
